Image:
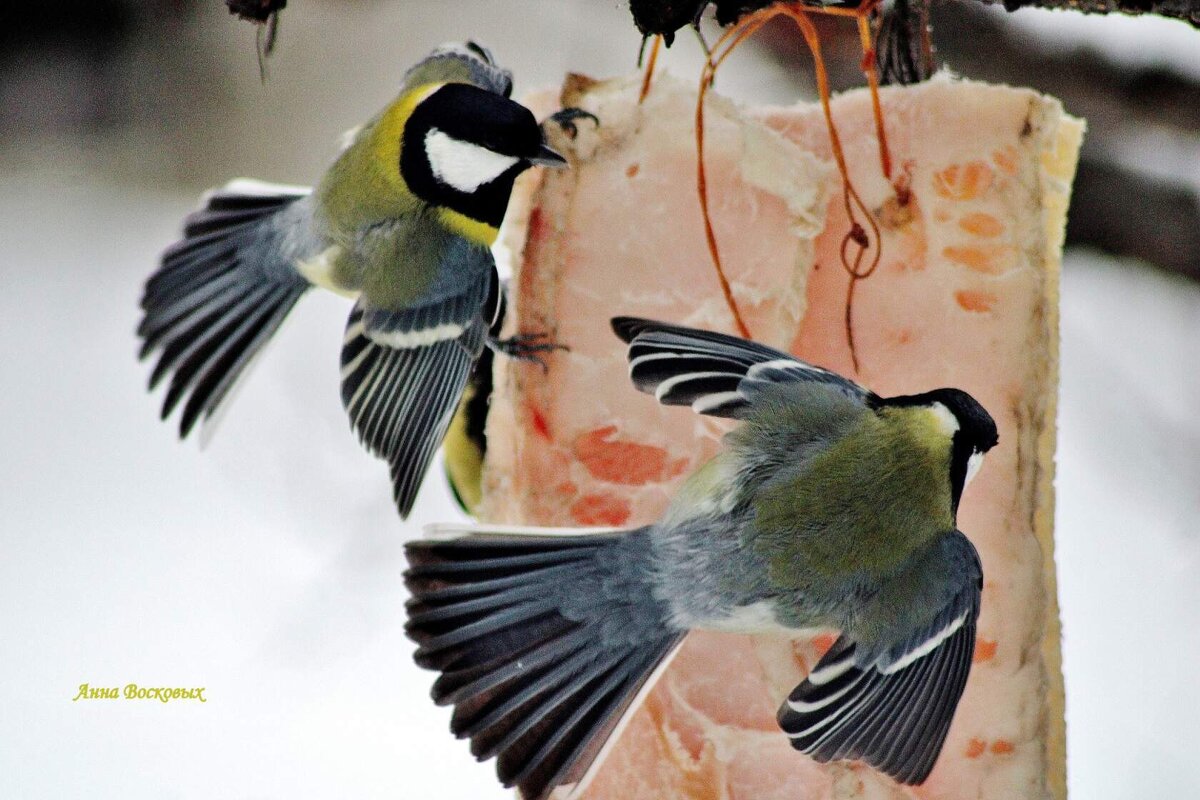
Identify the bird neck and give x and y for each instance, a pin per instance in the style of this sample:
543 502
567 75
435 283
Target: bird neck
471 229
474 215
364 187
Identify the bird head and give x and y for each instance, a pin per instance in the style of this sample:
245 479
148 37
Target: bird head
462 148
971 430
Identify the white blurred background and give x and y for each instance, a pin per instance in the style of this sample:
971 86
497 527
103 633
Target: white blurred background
267 567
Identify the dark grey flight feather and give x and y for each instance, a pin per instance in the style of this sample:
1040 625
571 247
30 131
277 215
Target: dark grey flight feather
543 643
891 707
896 723
401 400
217 297
404 370
715 374
459 310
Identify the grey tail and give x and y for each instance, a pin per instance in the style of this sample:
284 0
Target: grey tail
213 303
543 644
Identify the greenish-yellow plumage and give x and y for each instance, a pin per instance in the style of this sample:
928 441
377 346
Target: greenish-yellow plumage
866 502
402 221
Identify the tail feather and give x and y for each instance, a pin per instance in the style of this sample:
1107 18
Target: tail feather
501 645
495 728
530 613
543 642
175 281
210 391
500 563
187 251
212 220
483 588
239 202
473 609
217 297
576 739
476 682
213 336
199 333
506 690
555 726
174 310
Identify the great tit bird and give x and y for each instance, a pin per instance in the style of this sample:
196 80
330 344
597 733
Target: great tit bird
403 220
829 507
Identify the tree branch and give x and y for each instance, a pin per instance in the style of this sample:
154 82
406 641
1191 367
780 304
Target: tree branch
1186 10
1112 97
1121 212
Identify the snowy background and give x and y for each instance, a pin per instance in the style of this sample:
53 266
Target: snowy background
267 567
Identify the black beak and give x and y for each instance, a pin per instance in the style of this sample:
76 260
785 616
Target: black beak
547 156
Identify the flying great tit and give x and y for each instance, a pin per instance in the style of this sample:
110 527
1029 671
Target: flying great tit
403 221
829 507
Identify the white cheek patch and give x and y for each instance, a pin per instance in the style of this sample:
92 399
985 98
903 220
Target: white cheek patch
946 421
973 465
462 165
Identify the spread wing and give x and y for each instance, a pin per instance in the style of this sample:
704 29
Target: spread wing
403 372
890 703
716 374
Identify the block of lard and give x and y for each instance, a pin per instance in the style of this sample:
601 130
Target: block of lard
965 295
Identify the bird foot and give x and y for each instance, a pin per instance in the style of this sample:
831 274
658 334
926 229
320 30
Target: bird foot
527 347
567 118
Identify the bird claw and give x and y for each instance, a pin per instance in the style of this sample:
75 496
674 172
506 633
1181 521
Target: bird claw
567 118
527 347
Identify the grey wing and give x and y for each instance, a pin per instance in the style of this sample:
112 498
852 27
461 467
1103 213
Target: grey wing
888 698
716 374
403 373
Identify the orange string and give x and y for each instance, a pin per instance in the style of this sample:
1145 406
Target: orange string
729 41
856 244
872 72
855 237
649 76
